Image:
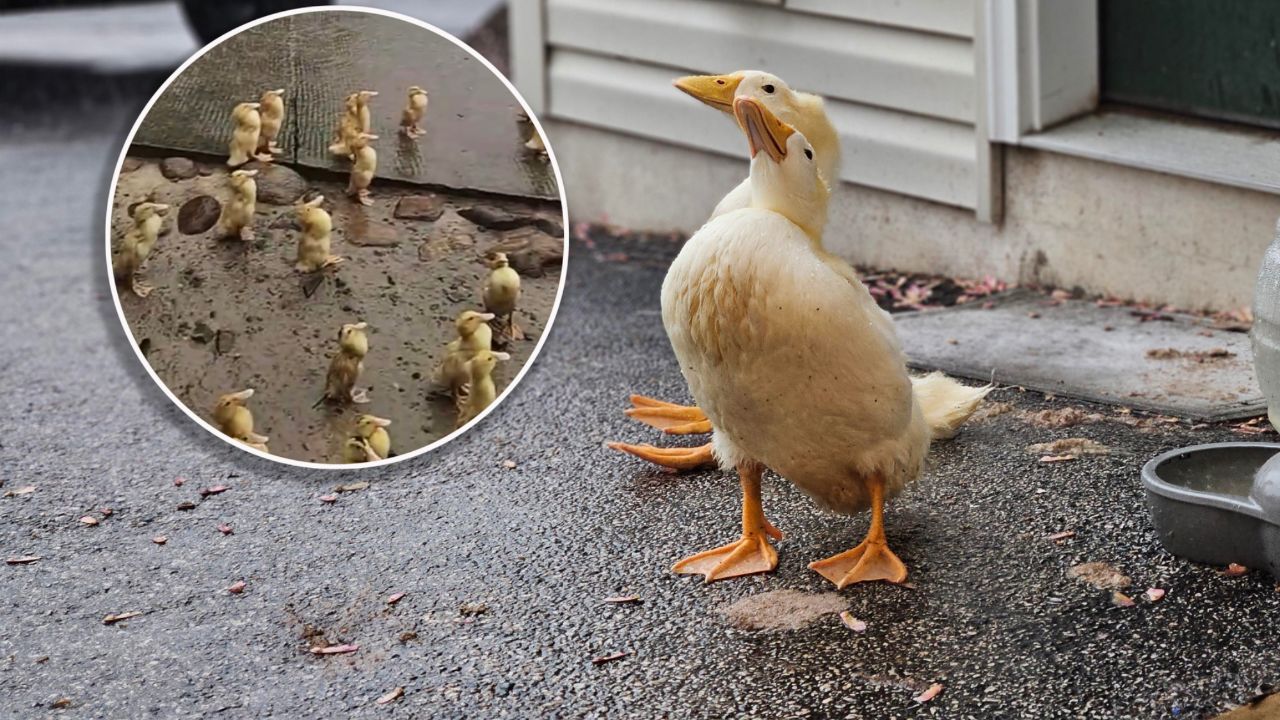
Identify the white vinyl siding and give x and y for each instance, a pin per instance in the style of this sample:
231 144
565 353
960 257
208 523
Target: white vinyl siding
899 77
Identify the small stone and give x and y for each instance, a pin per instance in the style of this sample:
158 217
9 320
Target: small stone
202 333
178 168
130 164
488 216
224 341
362 232
198 215
420 207
278 185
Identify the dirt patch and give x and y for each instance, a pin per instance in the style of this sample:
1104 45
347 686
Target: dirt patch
1100 575
1070 447
1061 417
1196 355
782 610
989 410
226 315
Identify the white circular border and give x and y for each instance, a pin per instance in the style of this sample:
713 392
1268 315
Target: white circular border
564 265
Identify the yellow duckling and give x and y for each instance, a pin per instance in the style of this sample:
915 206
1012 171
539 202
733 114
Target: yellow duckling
236 219
235 420
364 163
474 335
313 243
799 370
271 109
502 291
346 366
137 244
373 430
362 109
413 113
348 126
357 450
478 392
244 139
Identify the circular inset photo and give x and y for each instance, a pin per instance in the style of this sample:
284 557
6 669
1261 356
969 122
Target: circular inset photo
336 236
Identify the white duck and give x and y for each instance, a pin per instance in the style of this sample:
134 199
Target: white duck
796 366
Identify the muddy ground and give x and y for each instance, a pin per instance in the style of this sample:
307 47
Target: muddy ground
225 315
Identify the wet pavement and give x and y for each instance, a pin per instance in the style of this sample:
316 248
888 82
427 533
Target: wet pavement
474 139
505 567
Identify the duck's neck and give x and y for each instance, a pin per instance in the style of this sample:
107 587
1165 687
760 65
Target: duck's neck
770 191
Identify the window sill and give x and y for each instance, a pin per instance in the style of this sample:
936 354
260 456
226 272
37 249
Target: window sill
1219 153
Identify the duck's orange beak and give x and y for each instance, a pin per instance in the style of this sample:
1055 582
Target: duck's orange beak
714 90
765 132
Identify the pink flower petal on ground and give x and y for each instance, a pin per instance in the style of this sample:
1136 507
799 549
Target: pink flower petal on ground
852 622
929 694
1065 534
160 539
89 520
22 560
225 529
395 598
178 481
391 697
334 649
608 658
328 498
1235 570
215 490
1153 595
1119 599
236 588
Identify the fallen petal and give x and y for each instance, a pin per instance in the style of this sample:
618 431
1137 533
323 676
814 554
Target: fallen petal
328 498
334 649
621 599
1057 458
391 697
106 512
929 694
215 490
1235 570
1153 595
608 658
113 619
852 622
236 588
22 560
509 464
395 598
1065 534
225 529
89 520
1119 599
160 539
24 490
178 481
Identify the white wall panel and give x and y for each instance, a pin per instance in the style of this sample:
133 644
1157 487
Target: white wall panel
949 17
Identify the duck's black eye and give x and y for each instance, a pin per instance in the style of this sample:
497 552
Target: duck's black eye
768 88
808 153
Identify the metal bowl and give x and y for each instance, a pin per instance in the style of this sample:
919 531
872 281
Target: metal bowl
1219 503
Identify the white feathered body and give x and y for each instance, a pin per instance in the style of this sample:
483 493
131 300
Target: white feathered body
792 360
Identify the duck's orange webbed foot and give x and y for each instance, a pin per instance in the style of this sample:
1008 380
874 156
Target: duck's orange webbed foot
752 553
871 559
668 417
674 458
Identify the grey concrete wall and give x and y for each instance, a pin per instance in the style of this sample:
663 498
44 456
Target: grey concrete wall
1068 222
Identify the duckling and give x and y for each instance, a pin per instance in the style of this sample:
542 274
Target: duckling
271 108
357 450
479 392
502 291
362 169
362 109
373 430
235 420
236 219
474 335
535 145
348 126
346 366
137 244
313 243
413 113
244 139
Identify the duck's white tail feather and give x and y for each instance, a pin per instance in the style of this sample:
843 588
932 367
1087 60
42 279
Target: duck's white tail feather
946 403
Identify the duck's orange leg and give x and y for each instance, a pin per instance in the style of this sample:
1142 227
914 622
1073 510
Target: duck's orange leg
871 559
750 554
